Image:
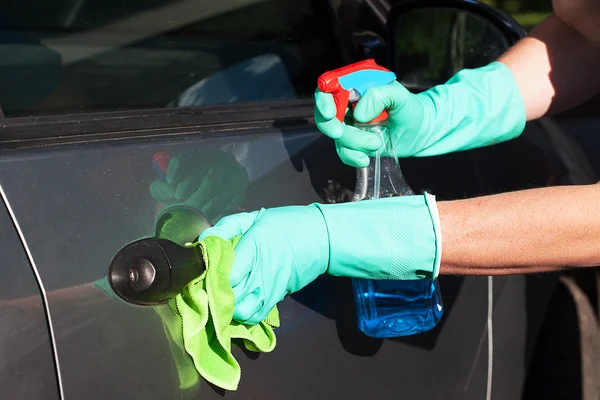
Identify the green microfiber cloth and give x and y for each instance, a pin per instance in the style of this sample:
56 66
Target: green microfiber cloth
199 321
206 310
188 376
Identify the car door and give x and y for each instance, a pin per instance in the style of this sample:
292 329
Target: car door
80 201
227 89
27 362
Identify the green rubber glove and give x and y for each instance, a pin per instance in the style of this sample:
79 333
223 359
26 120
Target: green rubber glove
284 249
475 108
208 179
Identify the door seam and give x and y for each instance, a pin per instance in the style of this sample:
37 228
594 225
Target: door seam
41 288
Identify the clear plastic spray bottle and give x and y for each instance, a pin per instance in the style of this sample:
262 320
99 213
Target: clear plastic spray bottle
384 308
391 308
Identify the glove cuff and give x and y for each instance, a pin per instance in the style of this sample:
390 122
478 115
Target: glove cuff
384 239
437 231
475 108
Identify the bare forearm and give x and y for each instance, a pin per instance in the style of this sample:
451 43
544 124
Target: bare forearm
529 231
556 68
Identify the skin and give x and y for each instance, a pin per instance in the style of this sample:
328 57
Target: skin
547 229
531 231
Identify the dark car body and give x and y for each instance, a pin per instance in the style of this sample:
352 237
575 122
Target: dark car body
76 165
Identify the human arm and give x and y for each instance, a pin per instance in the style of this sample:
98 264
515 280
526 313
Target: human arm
283 249
523 232
553 69
547 229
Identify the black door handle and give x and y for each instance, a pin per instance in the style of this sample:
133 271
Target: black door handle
152 271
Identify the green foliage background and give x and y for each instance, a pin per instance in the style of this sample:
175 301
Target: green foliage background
527 12
424 39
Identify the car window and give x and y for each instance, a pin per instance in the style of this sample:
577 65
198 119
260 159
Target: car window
90 55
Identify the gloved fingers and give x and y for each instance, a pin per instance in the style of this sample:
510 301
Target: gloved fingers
325 115
243 271
325 105
351 157
239 288
377 99
329 127
249 296
251 309
161 191
254 308
360 140
231 226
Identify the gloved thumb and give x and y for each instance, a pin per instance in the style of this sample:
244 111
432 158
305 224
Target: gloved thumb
391 97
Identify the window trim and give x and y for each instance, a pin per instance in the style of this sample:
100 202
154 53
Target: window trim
81 128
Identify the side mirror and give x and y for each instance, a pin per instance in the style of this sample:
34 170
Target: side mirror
431 40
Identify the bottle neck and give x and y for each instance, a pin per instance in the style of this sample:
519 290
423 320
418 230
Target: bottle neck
380 129
369 125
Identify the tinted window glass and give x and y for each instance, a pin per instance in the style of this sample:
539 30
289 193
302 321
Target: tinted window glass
63 56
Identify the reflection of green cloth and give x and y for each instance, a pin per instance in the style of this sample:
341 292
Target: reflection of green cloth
103 285
206 310
199 321
188 377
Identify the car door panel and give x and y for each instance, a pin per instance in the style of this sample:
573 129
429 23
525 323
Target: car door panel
27 369
78 204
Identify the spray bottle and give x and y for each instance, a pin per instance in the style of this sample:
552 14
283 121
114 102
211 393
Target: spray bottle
384 308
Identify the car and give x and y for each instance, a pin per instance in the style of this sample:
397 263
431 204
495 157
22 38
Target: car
93 92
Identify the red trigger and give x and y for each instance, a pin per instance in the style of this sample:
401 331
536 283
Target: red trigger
341 103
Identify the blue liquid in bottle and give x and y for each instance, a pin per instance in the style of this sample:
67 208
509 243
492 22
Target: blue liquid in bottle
391 308
388 309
